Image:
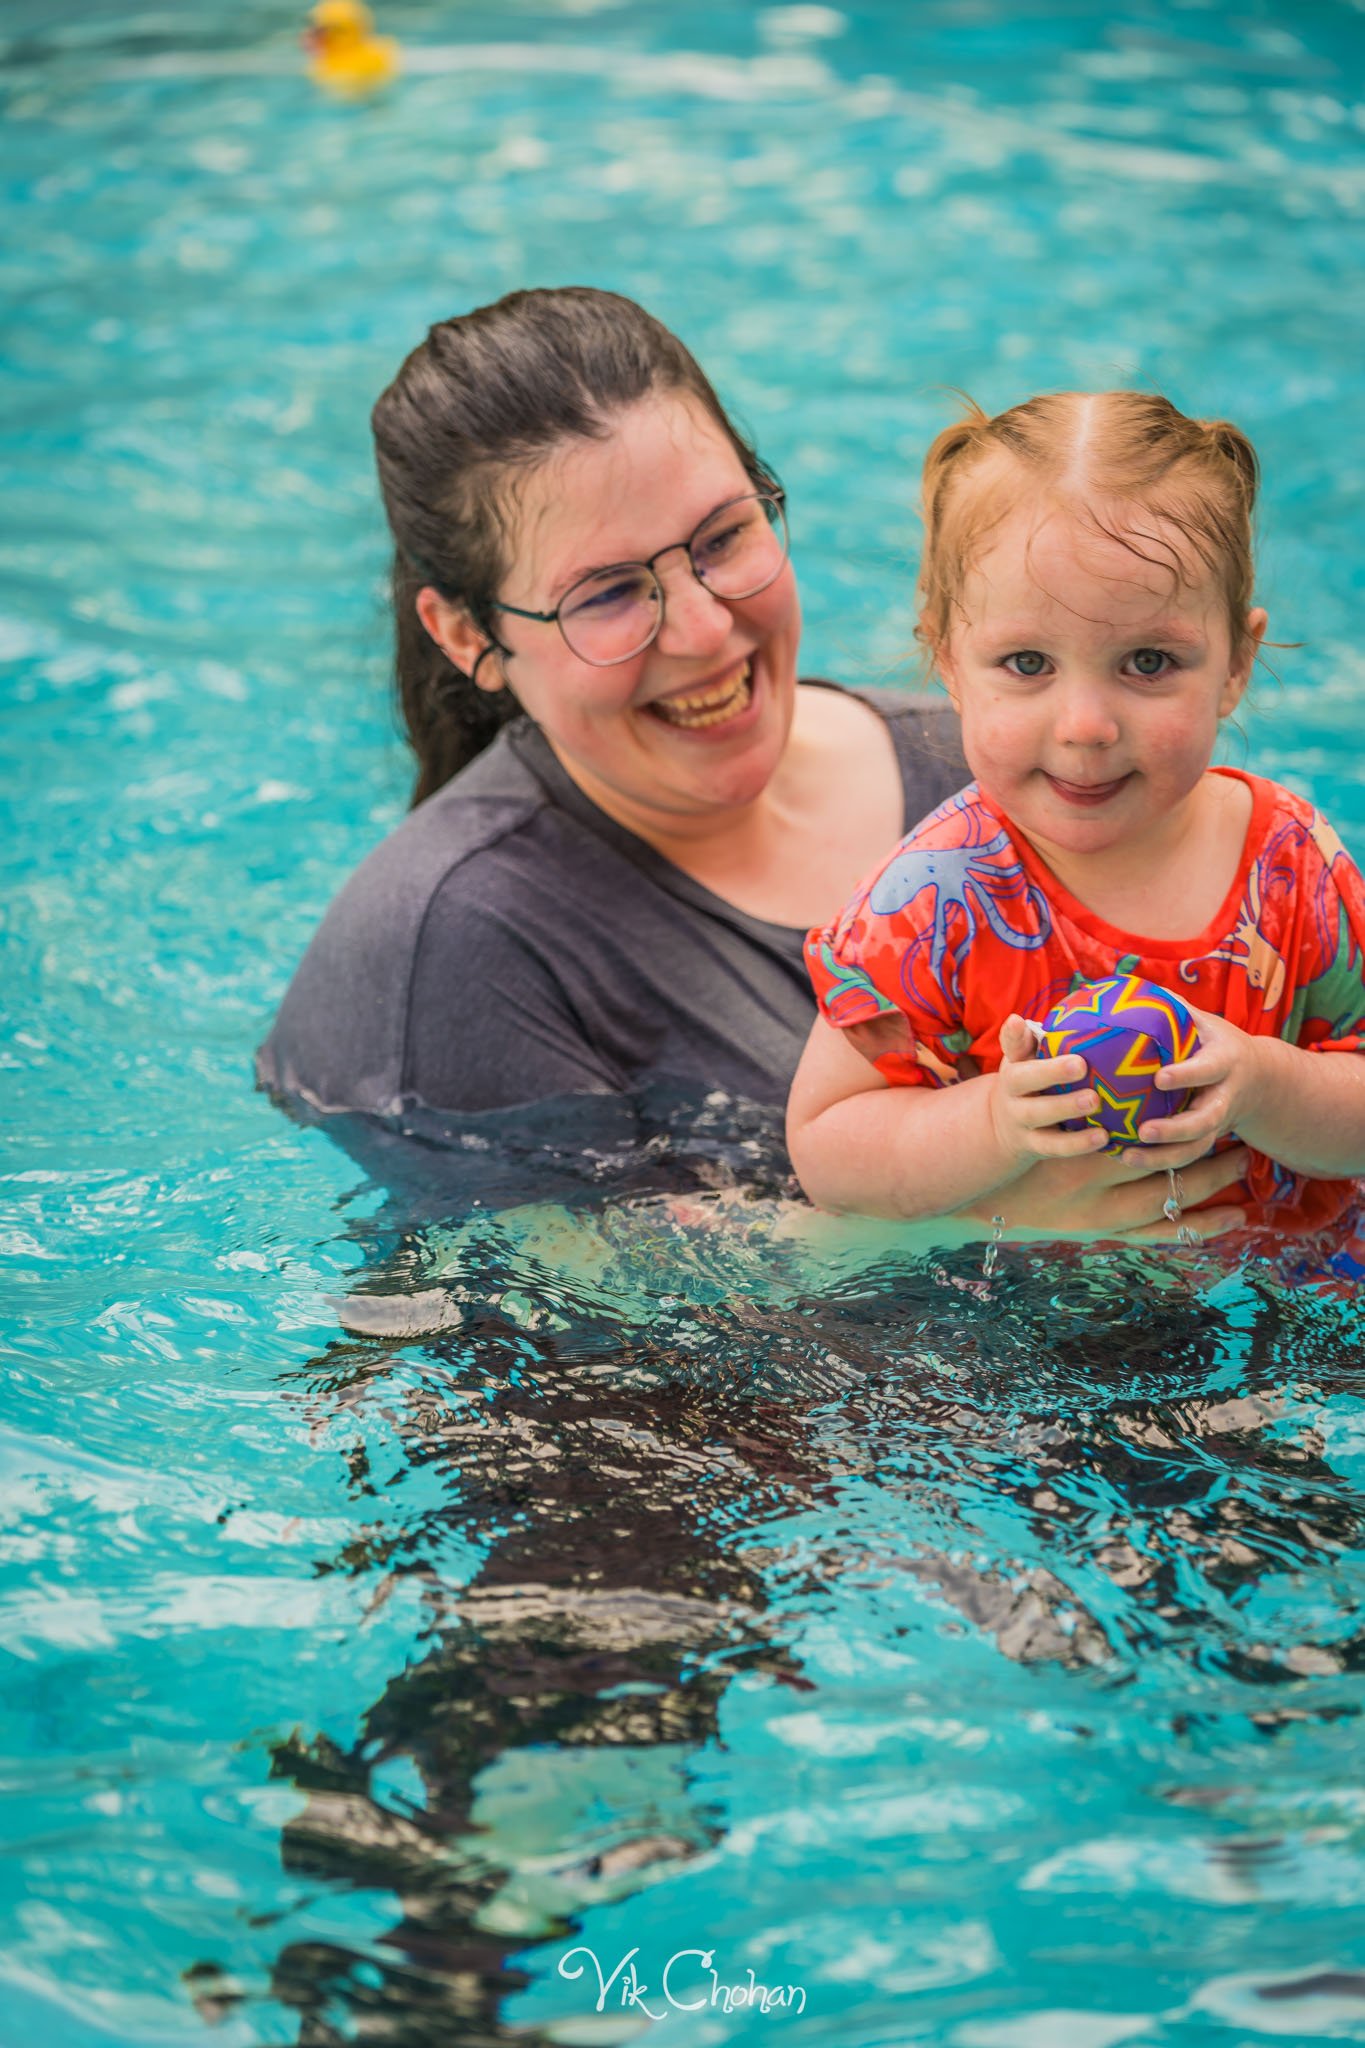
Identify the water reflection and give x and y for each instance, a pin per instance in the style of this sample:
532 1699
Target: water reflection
1098 1462
606 1591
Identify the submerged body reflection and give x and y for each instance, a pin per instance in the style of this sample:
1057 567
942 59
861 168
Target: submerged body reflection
626 1462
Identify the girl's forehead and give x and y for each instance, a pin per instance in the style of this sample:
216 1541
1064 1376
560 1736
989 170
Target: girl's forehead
1088 564
657 470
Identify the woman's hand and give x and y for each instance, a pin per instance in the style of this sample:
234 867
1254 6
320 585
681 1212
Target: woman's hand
1120 1195
1025 1115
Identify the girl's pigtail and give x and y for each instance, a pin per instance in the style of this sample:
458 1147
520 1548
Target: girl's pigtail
944 452
1232 444
938 575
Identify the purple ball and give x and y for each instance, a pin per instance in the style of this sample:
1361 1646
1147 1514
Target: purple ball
1125 1030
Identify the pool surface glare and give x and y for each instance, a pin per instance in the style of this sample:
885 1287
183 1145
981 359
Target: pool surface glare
436 1595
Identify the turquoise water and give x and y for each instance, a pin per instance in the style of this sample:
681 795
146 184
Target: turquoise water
980 1657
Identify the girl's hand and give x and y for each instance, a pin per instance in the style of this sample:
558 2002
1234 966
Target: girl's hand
1227 1074
1024 1116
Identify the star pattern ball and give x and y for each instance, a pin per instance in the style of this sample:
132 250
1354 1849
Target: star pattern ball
1125 1030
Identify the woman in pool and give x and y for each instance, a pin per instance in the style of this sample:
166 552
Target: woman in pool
1086 595
627 808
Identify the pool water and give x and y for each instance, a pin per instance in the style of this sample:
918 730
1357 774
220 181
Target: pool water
644 1568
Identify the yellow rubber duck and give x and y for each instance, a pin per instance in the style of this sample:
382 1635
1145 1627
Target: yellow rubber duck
345 55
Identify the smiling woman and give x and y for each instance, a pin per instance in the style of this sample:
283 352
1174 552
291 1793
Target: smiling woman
627 807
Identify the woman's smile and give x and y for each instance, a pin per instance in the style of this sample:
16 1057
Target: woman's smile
704 706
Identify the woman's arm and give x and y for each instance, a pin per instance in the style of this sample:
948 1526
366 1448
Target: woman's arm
857 1143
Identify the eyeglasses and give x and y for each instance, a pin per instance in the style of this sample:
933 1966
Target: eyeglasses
738 550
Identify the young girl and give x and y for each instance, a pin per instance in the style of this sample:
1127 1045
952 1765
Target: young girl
1086 596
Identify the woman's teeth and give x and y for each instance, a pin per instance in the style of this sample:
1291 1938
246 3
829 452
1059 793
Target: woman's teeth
708 707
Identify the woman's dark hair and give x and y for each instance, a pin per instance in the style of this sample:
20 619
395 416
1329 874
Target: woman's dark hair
486 395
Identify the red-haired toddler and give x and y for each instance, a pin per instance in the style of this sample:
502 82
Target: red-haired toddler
1086 597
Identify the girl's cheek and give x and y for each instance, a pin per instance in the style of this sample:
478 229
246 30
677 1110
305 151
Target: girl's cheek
989 717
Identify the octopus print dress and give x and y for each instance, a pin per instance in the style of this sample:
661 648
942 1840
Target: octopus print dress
963 923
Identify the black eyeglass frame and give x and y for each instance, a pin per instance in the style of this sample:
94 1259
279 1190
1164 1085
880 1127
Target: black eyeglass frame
776 497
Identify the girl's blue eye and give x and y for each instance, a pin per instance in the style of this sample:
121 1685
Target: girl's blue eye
1026 663
1150 661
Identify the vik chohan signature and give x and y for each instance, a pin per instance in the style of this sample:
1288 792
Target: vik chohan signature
688 1983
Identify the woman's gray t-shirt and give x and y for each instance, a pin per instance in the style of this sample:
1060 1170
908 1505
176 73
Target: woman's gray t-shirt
509 942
